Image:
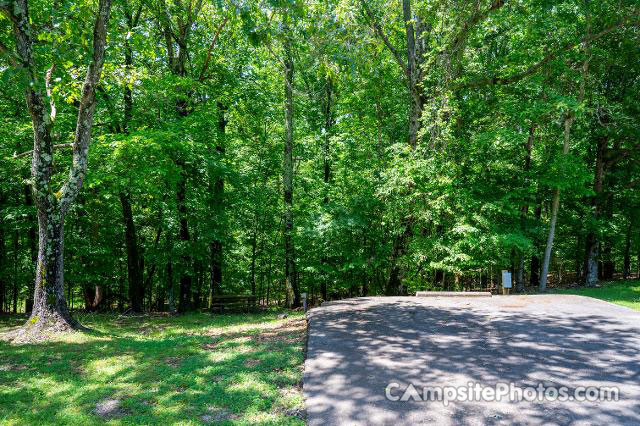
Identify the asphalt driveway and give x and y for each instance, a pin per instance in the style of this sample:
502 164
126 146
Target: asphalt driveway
357 347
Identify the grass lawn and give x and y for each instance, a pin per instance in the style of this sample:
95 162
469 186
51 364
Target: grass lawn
625 293
187 370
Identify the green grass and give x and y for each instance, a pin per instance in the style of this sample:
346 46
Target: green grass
625 293
186 370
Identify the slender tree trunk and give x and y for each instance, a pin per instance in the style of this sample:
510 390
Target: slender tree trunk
626 271
253 262
3 262
184 300
134 271
216 247
15 272
592 249
33 251
328 124
291 278
534 277
416 103
555 203
524 210
394 285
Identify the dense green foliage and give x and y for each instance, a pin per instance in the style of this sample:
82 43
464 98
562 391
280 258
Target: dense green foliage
190 129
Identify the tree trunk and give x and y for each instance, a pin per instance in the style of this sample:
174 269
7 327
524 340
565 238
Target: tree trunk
524 210
50 310
592 249
626 271
534 277
134 271
184 300
413 72
253 262
216 247
291 278
33 251
328 124
3 261
394 285
555 204
50 306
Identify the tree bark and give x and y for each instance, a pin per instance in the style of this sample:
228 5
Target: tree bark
626 270
534 277
33 251
555 203
50 306
184 299
592 249
524 210
134 272
216 246
291 277
3 260
328 124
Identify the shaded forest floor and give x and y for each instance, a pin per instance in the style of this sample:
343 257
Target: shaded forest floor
624 293
191 369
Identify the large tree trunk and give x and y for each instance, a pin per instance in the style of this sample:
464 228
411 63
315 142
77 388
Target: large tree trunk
50 310
291 278
134 271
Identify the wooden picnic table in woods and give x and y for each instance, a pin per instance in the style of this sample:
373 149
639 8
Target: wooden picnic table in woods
244 302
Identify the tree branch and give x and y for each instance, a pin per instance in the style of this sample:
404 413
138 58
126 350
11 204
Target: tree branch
205 67
476 18
47 83
87 107
28 153
532 69
378 30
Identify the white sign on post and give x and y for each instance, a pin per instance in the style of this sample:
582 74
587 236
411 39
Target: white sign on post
506 279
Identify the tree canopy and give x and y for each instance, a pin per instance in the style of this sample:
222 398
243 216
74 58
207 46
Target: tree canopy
335 148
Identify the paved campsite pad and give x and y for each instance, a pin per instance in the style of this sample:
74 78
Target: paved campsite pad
357 346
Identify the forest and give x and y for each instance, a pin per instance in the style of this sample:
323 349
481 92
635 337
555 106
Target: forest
154 153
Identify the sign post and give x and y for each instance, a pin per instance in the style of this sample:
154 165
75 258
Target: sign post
506 282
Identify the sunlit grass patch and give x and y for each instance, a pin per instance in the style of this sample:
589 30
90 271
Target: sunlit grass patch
624 293
193 369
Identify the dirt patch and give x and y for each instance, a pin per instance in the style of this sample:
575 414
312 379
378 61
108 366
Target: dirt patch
13 367
173 362
216 415
251 363
110 408
290 332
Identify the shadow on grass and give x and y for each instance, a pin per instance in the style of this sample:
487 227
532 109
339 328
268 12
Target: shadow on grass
159 370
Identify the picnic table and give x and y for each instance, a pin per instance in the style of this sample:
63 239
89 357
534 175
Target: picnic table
244 302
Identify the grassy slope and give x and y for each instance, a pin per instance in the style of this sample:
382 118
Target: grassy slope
192 369
625 293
